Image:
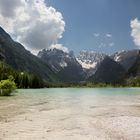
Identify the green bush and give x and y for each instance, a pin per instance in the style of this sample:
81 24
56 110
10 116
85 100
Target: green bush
7 87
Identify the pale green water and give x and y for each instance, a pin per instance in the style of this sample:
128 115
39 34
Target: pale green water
71 113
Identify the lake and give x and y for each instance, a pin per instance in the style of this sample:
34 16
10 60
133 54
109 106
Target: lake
71 114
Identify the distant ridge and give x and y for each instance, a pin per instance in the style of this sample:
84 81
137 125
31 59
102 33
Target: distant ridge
108 71
15 55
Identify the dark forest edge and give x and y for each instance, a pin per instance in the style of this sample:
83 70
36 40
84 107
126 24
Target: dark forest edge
133 83
21 78
26 80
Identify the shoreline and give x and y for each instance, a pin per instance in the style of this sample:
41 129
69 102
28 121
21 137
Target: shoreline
68 114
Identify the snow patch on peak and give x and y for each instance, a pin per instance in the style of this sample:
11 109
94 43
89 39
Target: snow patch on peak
89 59
86 65
117 58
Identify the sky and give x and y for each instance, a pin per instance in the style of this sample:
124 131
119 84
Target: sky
103 26
89 21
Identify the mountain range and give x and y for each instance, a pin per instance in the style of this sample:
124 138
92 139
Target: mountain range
56 65
64 65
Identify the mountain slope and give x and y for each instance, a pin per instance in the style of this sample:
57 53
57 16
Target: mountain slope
135 69
108 71
18 57
126 58
64 64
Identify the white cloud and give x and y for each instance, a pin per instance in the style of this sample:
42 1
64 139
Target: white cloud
111 44
34 24
135 33
102 35
96 34
102 45
109 35
12 7
60 47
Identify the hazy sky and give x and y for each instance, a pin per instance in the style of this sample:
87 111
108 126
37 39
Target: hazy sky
99 25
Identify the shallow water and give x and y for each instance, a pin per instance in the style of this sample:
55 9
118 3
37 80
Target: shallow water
71 114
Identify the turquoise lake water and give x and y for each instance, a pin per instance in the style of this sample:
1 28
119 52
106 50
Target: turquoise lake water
71 114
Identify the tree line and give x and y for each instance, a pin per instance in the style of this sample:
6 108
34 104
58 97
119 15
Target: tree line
27 80
21 78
